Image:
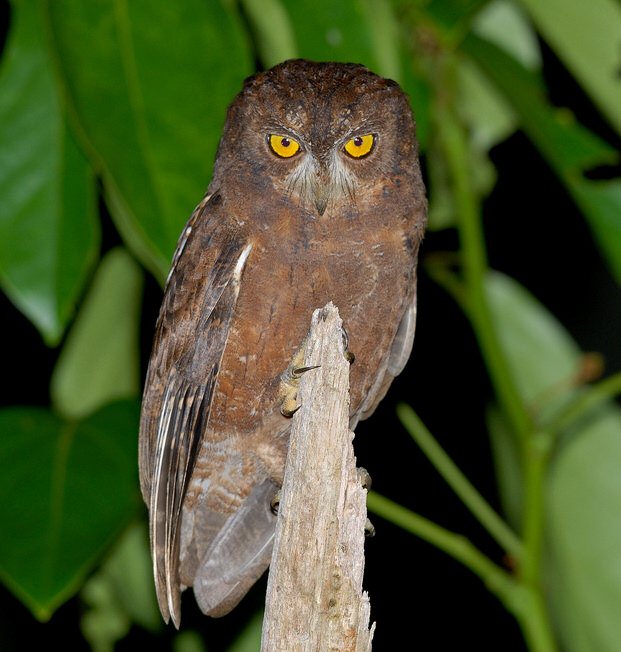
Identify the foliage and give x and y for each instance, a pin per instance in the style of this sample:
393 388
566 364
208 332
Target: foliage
112 110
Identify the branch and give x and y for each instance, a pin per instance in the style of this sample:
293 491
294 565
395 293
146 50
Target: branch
314 598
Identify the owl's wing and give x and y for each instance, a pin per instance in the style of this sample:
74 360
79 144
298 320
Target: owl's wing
236 548
404 339
396 359
190 339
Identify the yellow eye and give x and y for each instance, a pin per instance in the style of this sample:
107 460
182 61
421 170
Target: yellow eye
359 146
284 146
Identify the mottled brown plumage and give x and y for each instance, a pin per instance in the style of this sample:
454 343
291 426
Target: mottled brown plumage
276 237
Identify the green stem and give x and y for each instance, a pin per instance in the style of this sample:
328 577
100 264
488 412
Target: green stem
518 599
536 461
521 600
473 500
455 545
593 397
454 144
533 616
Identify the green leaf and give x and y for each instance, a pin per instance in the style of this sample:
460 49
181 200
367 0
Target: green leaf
488 114
99 361
272 30
504 23
121 592
332 31
49 235
601 201
68 488
584 535
583 492
188 641
352 31
451 16
541 355
149 82
585 35
569 148
249 639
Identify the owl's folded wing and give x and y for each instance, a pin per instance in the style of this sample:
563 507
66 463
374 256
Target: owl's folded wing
191 335
395 361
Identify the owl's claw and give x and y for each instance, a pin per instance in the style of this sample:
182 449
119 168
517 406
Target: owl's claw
289 407
275 503
298 371
349 356
365 478
369 529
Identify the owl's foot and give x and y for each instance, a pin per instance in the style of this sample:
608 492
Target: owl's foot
369 529
290 382
290 379
289 389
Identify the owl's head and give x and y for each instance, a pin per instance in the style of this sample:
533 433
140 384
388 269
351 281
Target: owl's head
321 134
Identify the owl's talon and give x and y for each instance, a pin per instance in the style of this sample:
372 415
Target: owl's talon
298 371
289 408
365 478
369 529
275 503
349 356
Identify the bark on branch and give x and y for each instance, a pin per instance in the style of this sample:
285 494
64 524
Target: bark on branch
314 599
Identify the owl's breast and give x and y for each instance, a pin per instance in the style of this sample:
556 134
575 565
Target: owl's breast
367 274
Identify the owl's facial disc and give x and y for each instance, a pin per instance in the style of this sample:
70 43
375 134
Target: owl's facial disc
320 175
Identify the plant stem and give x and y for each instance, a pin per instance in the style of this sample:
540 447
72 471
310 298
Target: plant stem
473 500
455 545
532 614
593 397
522 601
454 144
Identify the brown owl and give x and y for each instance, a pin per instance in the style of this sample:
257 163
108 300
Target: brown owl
316 196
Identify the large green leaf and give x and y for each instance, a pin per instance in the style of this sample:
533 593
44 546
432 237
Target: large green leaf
601 201
67 488
121 592
585 35
333 31
542 359
583 491
149 82
569 148
48 232
541 355
272 29
584 535
99 361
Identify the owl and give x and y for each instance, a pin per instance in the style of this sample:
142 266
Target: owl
316 196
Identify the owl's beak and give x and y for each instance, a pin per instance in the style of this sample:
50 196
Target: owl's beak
321 195
321 188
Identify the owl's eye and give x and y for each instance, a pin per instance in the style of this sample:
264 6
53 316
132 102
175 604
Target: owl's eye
359 146
284 146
